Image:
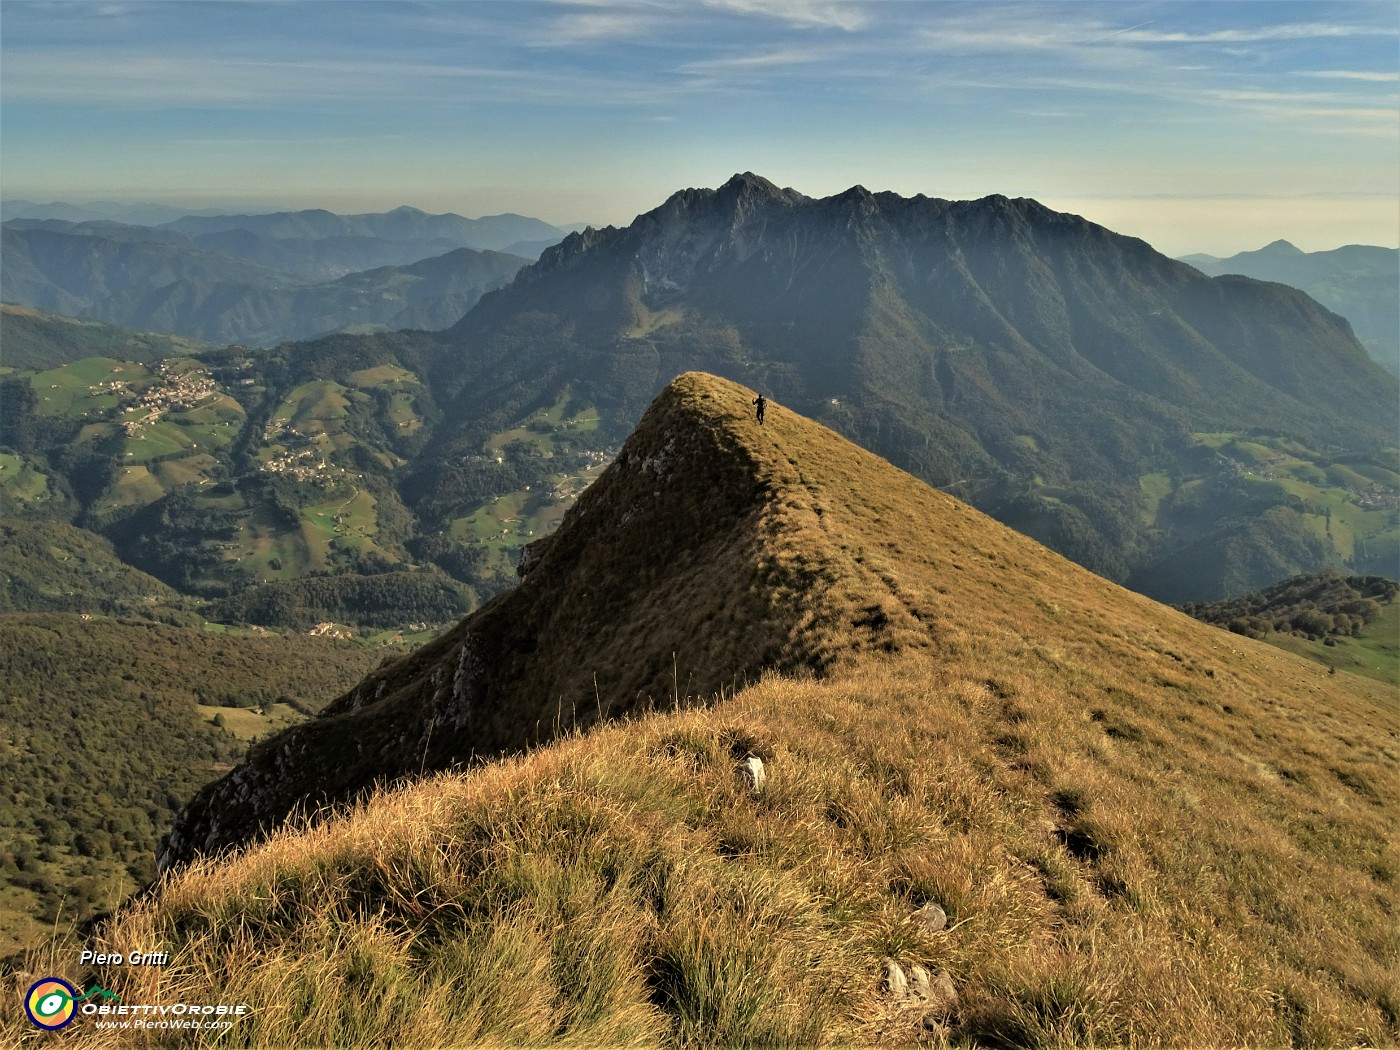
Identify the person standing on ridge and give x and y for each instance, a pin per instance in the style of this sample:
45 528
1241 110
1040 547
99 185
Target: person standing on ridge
760 403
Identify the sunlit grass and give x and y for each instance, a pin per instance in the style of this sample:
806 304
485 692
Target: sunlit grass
1144 831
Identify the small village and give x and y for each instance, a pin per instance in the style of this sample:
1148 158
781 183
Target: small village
304 464
300 456
330 630
172 391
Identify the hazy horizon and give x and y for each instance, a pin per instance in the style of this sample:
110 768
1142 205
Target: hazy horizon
1199 127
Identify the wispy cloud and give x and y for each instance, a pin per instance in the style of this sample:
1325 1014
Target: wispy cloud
135 79
1255 34
758 60
824 14
1350 74
591 27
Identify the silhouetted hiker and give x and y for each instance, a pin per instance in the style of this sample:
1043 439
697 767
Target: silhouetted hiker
761 402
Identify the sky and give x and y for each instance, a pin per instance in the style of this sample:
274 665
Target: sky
1215 127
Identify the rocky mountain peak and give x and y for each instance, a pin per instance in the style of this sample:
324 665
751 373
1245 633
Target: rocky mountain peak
748 184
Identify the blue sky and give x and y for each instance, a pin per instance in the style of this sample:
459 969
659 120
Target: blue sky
1213 126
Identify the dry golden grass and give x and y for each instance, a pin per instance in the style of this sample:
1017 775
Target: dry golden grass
1144 831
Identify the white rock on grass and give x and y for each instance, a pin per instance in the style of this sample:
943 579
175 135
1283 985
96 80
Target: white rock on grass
753 774
931 917
942 991
919 988
895 982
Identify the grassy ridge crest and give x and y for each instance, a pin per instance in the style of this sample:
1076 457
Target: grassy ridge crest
1143 830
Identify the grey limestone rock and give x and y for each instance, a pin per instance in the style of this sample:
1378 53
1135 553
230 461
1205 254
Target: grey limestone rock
931 917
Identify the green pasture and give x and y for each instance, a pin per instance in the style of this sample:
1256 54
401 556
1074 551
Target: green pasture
1213 440
1155 488
135 486
539 429
268 549
1339 503
159 439
187 470
403 413
20 482
66 391
312 405
262 539
350 523
1376 654
382 375
517 518
398 639
253 723
1377 474
96 432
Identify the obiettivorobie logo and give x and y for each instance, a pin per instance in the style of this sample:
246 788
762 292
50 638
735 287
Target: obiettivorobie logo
52 1002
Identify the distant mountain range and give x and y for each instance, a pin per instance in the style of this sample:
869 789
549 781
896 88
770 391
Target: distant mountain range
1072 382
401 226
1191 437
140 213
282 277
1360 282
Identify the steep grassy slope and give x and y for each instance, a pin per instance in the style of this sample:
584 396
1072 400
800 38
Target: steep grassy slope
1143 830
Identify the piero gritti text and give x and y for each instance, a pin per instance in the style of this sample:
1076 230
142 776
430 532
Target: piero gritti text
90 958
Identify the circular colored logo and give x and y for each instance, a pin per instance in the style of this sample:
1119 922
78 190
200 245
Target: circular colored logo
50 1003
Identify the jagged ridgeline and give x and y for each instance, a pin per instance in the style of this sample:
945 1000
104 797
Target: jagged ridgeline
1193 438
1140 829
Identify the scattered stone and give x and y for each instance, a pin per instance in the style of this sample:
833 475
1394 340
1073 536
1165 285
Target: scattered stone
931 917
753 774
918 988
895 981
942 992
